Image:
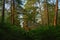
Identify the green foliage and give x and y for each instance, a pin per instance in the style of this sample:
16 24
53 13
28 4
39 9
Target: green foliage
12 32
43 33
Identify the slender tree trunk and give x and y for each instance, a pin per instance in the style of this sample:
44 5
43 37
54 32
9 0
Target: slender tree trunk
56 13
12 11
3 9
46 20
53 9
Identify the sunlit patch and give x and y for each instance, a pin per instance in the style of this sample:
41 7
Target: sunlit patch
7 6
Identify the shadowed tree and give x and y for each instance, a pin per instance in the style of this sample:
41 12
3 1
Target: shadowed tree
3 9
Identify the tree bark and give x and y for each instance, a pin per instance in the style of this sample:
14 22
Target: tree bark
12 11
56 13
46 15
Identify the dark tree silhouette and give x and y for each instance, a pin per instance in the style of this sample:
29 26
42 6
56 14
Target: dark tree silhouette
3 9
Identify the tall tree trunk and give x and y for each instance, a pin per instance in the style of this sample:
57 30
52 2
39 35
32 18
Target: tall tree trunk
3 9
12 11
46 15
56 13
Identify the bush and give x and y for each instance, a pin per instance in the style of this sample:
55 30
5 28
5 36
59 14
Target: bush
45 33
13 32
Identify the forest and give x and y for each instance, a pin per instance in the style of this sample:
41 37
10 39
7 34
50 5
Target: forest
29 19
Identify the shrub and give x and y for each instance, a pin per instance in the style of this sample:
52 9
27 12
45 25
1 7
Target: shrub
13 32
45 33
